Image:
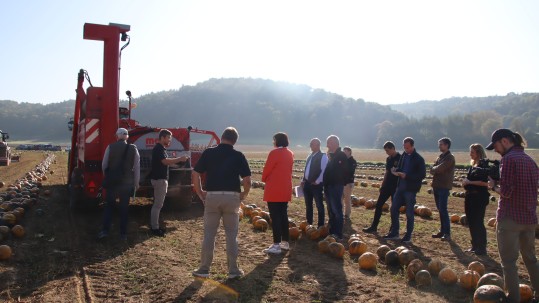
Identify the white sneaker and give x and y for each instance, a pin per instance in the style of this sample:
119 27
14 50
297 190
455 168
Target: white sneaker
273 249
284 245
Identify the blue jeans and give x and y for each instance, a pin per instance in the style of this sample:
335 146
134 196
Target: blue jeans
440 197
402 197
311 191
124 192
334 201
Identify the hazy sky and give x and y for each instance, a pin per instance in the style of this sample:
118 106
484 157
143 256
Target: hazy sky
381 51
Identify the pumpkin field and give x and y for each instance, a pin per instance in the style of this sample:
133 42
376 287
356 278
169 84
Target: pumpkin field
54 255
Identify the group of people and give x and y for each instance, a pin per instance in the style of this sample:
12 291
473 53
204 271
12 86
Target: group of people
122 160
331 175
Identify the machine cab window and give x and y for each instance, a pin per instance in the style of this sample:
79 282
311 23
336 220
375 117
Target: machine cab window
124 113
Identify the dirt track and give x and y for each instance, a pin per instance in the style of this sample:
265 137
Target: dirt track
59 259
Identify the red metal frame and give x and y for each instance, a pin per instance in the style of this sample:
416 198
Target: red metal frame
97 117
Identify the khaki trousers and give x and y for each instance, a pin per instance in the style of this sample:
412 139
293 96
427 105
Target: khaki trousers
512 238
347 199
219 205
160 188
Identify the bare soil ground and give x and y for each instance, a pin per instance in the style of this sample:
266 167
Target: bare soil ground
59 259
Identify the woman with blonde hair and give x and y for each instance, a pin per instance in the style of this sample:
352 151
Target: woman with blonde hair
476 199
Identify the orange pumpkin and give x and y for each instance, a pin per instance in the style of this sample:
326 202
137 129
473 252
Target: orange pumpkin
353 238
369 204
447 276
357 247
309 229
382 251
240 214
435 266
478 267
362 201
413 267
400 249
5 252
392 258
402 209
492 222
18 231
303 226
455 218
323 246
423 278
491 279
4 230
248 209
406 256
2 184
293 232
385 207
489 294
291 223
330 239
469 279
9 218
261 225
47 192
255 213
314 234
526 293
255 218
336 250
266 216
323 231
368 261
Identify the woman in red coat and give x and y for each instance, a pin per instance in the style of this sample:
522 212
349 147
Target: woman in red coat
278 191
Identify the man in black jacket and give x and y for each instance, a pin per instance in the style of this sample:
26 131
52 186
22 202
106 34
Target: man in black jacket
334 180
411 172
389 185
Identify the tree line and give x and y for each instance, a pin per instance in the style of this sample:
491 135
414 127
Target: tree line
259 108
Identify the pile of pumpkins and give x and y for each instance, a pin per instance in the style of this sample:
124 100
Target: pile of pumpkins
18 198
462 219
259 218
419 210
367 203
488 286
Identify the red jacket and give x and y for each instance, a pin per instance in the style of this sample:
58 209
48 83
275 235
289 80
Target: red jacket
278 175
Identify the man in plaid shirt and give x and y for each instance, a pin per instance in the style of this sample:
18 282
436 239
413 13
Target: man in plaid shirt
516 214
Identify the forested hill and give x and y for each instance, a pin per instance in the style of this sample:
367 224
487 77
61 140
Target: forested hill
511 105
259 108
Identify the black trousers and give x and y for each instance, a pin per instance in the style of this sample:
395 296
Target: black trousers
279 220
384 195
475 205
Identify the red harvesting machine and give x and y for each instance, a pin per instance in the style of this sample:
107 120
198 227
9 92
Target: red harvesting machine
98 115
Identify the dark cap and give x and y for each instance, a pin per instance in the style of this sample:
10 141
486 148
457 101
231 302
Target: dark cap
499 134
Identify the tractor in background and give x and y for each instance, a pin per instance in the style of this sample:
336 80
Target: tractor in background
98 115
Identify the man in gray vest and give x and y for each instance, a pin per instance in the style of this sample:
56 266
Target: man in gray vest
123 156
312 182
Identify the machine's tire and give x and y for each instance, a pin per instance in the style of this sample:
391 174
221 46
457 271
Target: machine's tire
78 202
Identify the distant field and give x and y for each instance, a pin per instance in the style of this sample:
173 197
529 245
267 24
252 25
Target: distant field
255 152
